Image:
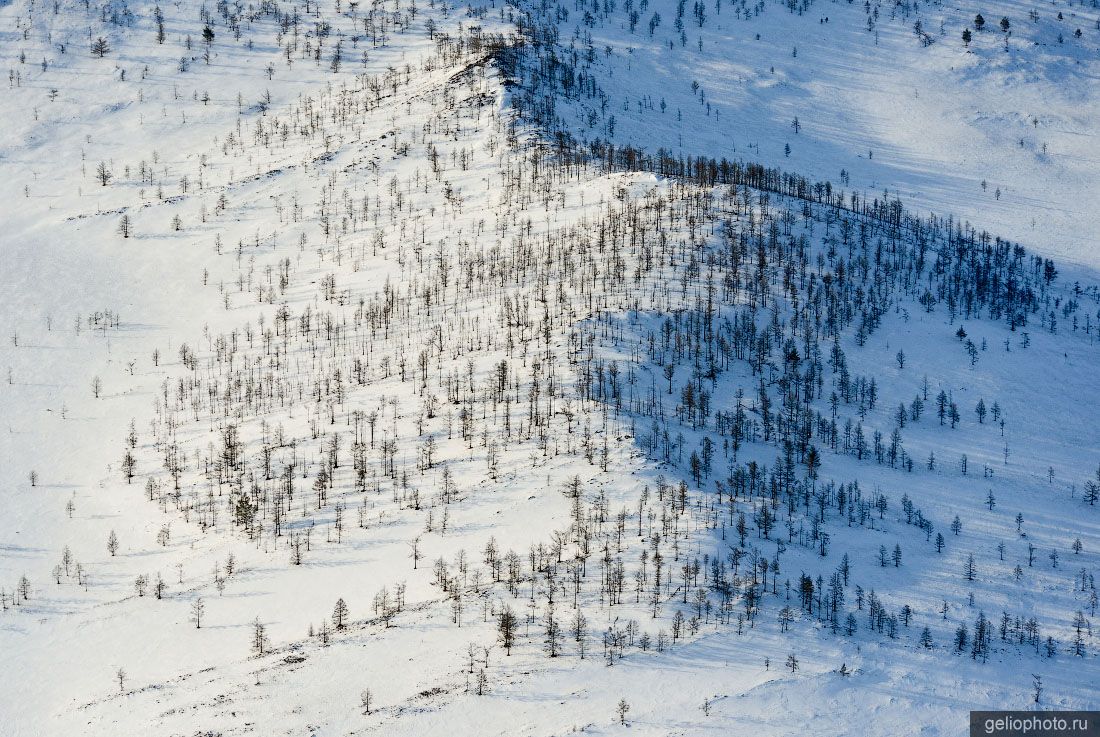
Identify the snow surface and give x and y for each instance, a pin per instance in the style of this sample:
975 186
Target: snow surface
938 120
946 127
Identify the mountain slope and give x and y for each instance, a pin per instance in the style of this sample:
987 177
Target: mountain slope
404 349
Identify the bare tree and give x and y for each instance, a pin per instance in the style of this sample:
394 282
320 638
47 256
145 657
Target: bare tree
621 710
198 607
259 637
366 698
340 614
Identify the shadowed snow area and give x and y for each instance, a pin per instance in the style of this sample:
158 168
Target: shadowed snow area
389 368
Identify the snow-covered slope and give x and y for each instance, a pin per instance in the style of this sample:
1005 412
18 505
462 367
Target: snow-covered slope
322 313
871 96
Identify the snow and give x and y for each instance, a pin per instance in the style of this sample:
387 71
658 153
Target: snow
928 124
938 119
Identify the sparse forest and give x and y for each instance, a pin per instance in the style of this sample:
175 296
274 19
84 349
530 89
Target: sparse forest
431 361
